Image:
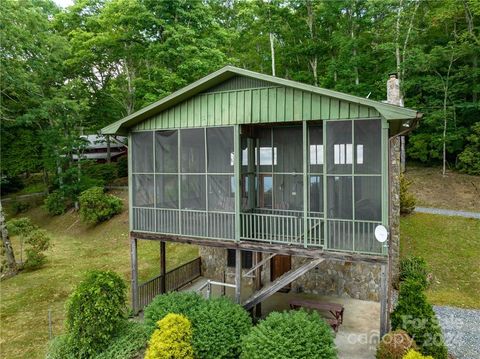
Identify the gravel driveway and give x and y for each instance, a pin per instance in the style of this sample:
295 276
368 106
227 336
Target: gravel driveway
461 328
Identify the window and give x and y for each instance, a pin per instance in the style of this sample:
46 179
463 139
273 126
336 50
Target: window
315 134
247 259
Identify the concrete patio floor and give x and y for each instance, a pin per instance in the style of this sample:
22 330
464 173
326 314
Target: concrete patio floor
357 337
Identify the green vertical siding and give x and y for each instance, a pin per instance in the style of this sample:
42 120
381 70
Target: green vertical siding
256 105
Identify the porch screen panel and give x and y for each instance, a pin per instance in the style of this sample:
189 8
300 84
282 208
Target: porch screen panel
315 134
166 151
220 149
340 147
368 150
265 155
339 189
143 191
288 144
368 198
192 150
166 191
221 193
193 194
288 192
316 193
142 152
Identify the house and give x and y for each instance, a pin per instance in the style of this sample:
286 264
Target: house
280 183
96 148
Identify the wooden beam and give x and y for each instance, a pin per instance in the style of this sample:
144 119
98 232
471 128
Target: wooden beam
134 280
238 275
258 283
265 247
163 266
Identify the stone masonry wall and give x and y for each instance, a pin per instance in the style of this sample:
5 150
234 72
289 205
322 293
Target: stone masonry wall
394 240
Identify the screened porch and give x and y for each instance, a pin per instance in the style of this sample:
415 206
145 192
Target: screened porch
314 184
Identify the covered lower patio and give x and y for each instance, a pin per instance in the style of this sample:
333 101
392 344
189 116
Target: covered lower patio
357 336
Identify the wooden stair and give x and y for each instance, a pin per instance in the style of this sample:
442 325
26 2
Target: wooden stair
280 282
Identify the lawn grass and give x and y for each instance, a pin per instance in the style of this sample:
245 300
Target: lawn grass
451 247
76 248
432 189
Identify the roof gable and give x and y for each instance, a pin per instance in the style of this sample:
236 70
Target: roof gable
230 77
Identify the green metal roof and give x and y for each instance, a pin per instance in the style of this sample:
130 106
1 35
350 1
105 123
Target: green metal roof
389 112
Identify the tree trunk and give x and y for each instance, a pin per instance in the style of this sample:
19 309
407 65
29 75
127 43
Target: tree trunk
7 246
109 152
272 52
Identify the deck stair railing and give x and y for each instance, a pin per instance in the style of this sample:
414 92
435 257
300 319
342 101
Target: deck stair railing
280 282
258 265
174 280
208 285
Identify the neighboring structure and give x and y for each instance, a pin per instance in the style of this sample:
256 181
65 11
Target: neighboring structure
285 179
97 148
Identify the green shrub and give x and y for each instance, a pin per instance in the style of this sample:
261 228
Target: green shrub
61 348
174 302
416 316
130 340
395 345
105 172
407 199
218 324
469 159
19 206
413 354
414 268
55 203
95 312
97 206
20 226
38 241
122 166
172 339
294 334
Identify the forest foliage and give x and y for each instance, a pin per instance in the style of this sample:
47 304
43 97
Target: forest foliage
76 69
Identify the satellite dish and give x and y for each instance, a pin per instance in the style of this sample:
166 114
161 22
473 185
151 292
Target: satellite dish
381 233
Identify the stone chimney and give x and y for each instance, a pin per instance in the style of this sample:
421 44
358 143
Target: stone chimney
393 91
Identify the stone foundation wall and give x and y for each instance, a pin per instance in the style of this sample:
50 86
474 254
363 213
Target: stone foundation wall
333 278
342 279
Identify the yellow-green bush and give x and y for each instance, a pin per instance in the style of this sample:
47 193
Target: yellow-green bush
172 339
413 354
395 345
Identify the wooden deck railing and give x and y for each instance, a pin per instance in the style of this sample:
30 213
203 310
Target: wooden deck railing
174 280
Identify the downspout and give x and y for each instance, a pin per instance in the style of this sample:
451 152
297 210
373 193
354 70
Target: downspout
412 125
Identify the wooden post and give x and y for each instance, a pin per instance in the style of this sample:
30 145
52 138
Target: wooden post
383 301
238 275
163 266
258 283
134 264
